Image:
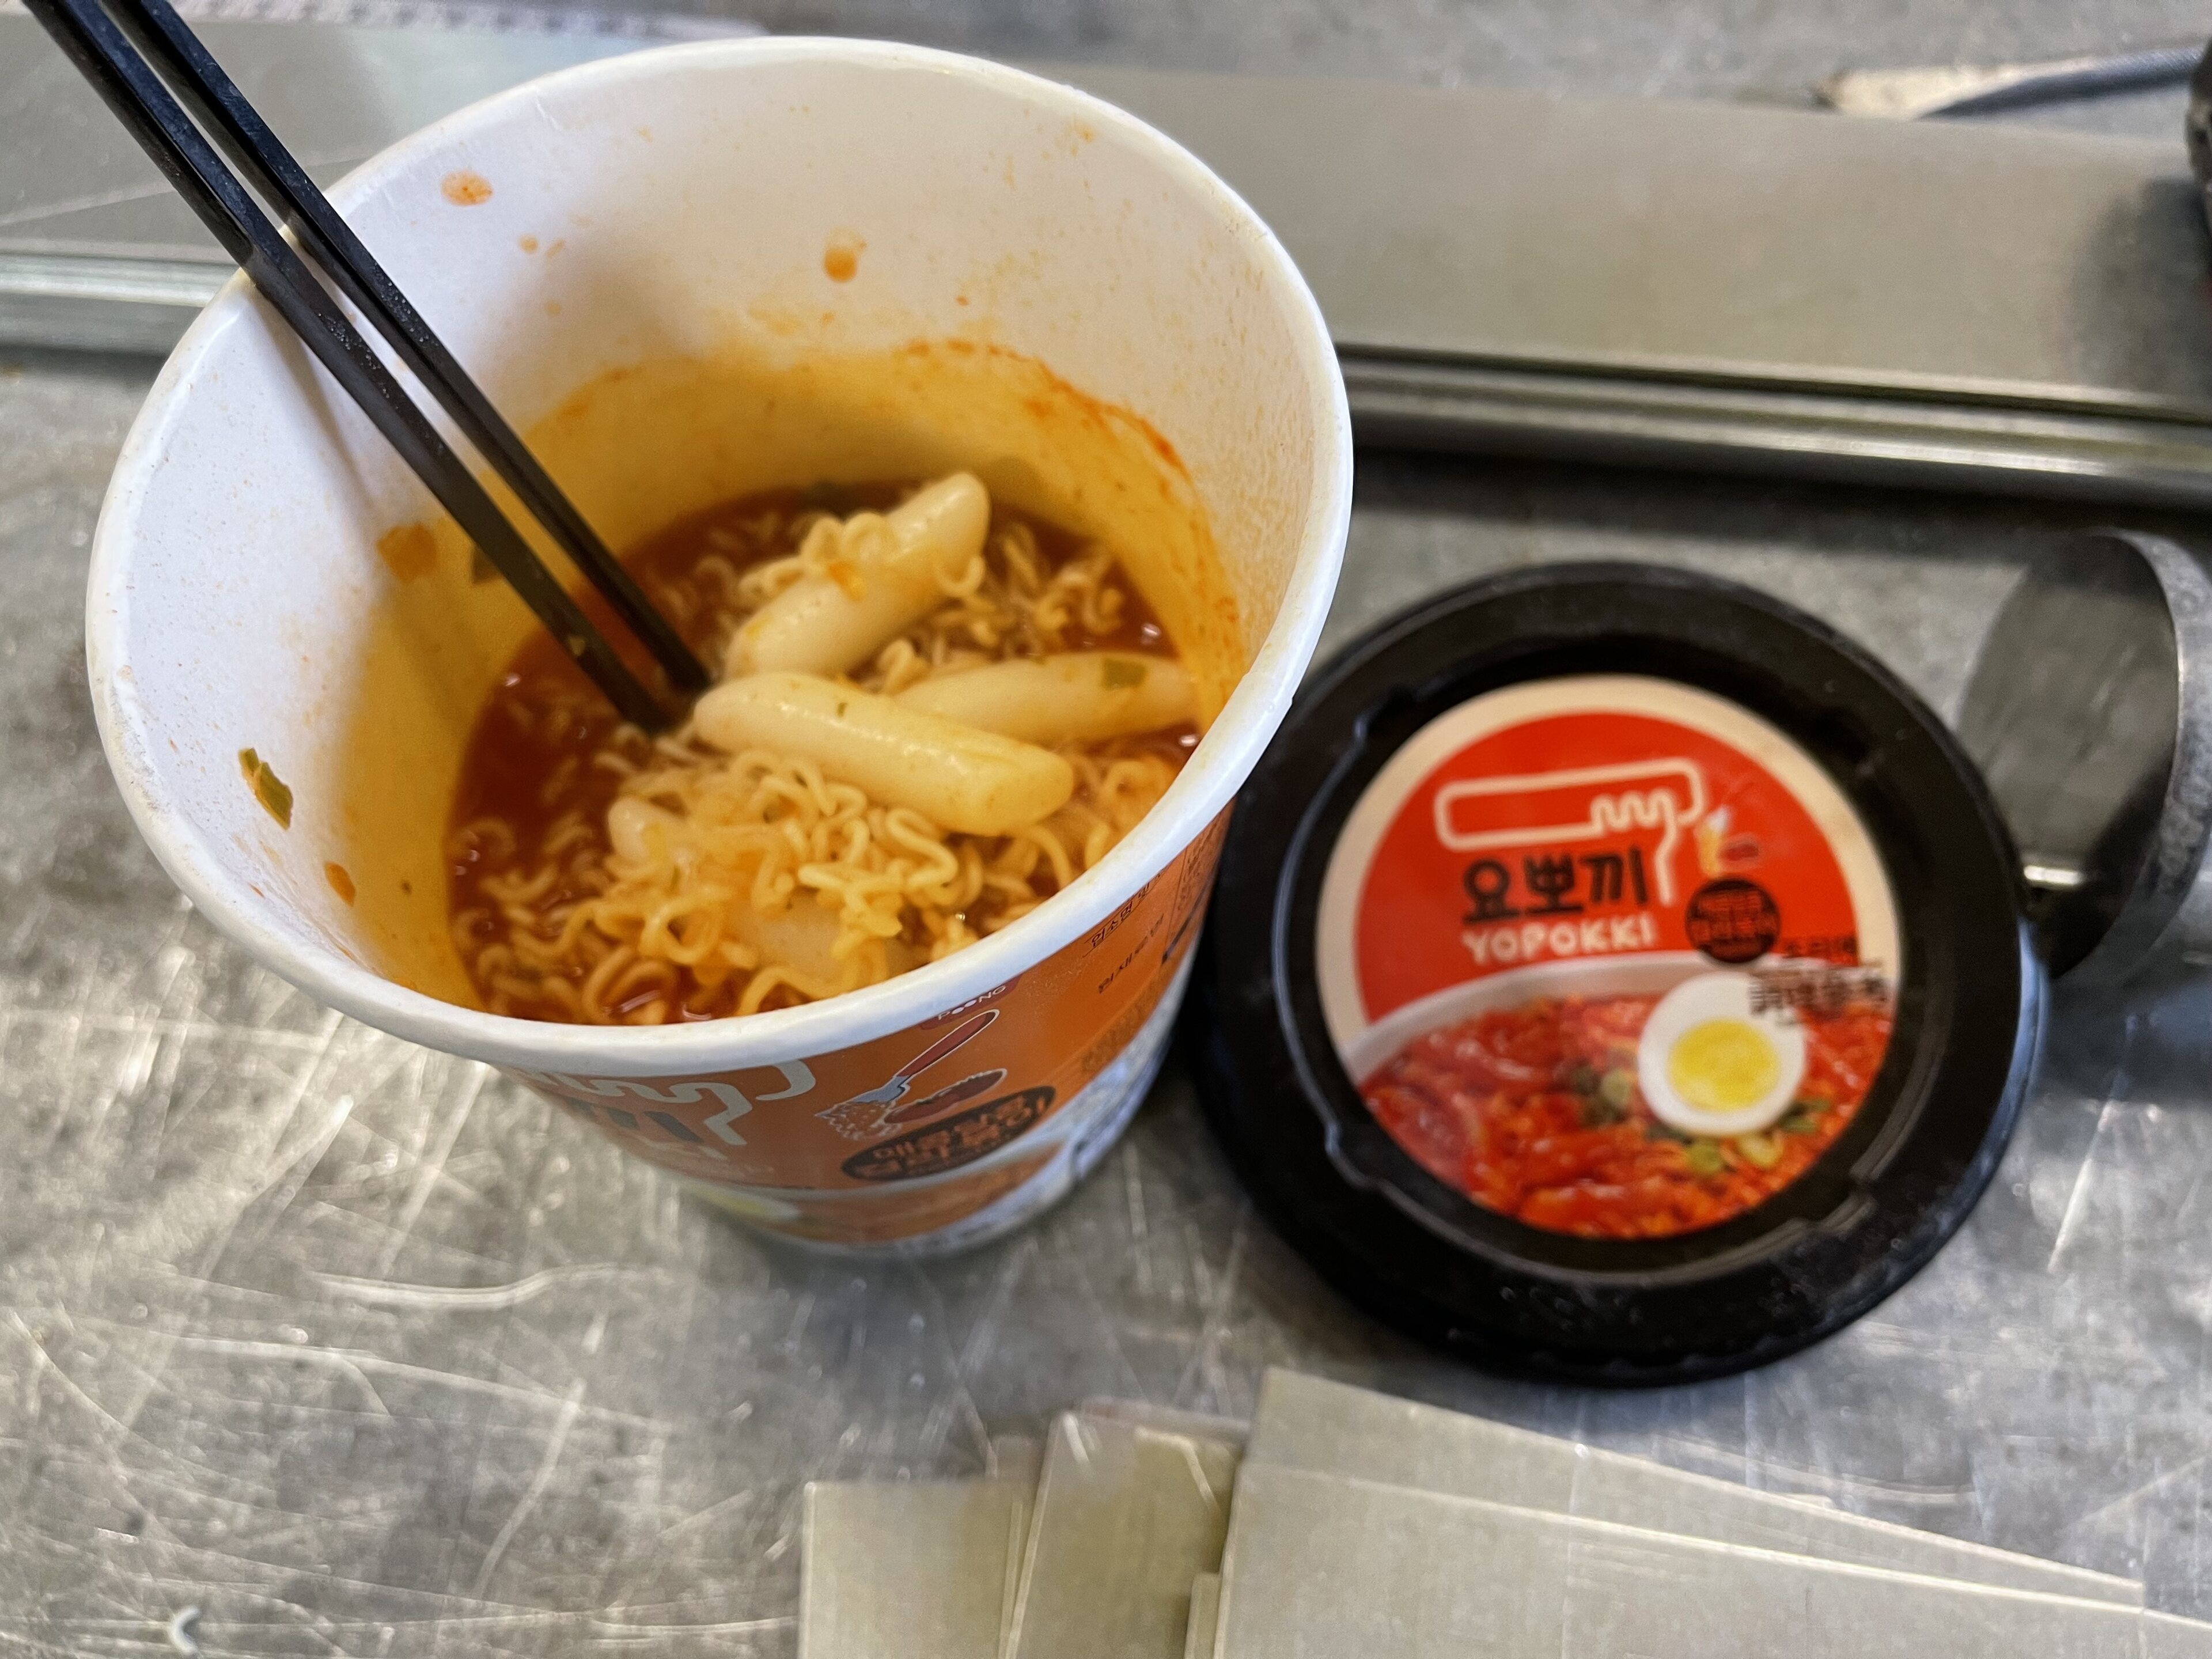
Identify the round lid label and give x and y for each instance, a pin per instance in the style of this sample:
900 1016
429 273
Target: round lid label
1608 954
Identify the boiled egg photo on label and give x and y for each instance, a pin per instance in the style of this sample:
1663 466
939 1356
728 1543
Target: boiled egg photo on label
1709 1065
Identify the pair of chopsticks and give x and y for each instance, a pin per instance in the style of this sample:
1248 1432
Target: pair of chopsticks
101 46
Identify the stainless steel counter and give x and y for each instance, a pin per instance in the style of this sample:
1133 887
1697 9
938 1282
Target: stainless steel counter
359 1350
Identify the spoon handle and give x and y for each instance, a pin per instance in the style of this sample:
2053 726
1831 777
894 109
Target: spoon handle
1906 95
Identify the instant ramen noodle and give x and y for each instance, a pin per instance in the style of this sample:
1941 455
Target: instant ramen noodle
933 713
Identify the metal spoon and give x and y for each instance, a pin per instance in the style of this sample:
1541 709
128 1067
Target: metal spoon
1907 94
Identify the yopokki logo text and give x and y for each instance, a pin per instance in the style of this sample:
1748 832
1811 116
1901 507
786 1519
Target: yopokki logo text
1570 862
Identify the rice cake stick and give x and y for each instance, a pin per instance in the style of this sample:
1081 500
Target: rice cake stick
1319 1567
955 775
1127 1515
1076 696
834 620
1311 1424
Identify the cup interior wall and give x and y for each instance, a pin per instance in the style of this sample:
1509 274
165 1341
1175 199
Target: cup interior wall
688 275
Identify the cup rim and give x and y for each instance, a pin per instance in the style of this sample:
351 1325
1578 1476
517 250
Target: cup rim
1216 769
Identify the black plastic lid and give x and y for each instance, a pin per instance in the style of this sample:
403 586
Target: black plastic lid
2090 712
1897 1169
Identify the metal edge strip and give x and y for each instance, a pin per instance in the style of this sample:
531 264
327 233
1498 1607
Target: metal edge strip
1471 408
1419 402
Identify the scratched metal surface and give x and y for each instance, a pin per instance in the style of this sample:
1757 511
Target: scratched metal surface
360 1351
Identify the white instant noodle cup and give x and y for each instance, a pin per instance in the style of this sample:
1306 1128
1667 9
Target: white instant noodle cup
687 274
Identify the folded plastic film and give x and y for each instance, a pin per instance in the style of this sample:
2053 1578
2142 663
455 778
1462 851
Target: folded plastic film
1348 1521
1329 1428
1129 1513
923 1569
1320 1565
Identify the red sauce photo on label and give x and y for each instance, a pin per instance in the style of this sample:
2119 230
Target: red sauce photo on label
1536 1112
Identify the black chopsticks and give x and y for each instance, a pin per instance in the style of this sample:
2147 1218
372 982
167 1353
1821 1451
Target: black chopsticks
136 93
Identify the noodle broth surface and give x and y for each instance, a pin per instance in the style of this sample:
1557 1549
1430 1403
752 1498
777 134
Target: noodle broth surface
786 886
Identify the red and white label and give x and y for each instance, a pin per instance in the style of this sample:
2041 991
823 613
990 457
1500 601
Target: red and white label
1517 893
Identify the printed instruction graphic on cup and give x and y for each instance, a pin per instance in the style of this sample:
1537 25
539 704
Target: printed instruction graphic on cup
868 1117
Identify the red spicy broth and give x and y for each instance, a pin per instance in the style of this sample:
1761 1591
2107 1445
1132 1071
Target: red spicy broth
531 802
